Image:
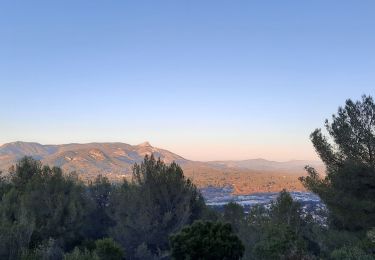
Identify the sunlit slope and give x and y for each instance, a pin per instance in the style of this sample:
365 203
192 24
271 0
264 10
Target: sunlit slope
115 160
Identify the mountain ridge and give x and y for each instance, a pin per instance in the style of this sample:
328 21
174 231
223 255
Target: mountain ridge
116 159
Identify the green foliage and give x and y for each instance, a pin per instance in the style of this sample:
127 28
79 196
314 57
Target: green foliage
349 193
371 235
352 131
286 211
234 214
206 240
282 230
158 202
143 252
348 189
100 192
40 204
105 249
351 253
78 254
15 237
46 251
279 242
108 249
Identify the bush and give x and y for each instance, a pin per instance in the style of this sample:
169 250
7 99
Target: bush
351 253
107 249
78 254
206 240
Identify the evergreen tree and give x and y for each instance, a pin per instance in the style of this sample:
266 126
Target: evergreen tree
100 195
234 214
281 231
107 249
158 202
348 189
41 204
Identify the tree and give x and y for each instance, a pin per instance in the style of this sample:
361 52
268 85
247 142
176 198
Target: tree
100 194
234 214
206 240
158 202
108 249
348 189
40 204
281 230
353 132
286 211
279 242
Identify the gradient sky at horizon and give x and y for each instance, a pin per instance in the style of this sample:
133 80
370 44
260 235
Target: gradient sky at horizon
209 80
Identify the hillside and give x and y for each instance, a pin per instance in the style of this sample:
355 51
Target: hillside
294 166
115 160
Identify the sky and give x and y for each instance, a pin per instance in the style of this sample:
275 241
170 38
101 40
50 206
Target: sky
208 80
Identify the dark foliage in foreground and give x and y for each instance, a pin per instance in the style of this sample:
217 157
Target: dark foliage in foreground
44 214
158 202
348 189
206 240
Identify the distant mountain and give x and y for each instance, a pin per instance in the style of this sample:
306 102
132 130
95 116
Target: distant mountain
115 160
86 159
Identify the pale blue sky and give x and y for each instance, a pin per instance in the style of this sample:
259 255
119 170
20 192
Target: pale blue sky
205 79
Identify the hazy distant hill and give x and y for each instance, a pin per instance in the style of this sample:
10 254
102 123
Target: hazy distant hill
115 160
295 166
